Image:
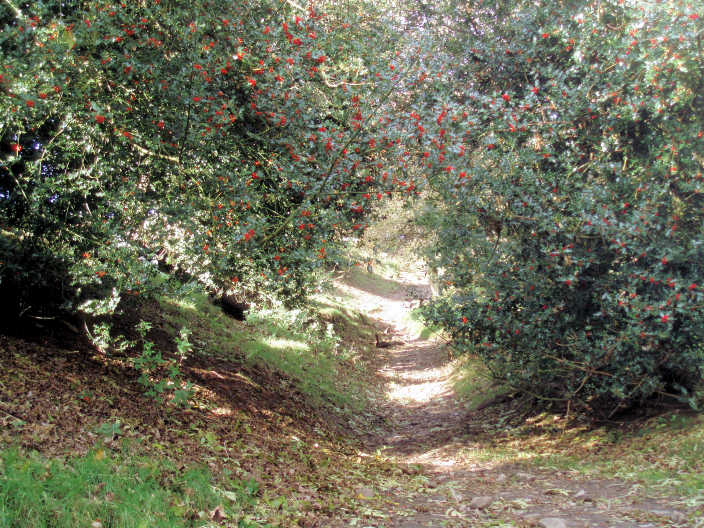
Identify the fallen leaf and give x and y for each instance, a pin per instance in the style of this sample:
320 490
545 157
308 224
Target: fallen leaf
218 514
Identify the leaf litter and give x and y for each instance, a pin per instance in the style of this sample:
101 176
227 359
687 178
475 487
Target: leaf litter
418 457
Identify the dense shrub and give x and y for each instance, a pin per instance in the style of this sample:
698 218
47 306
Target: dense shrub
230 143
571 228
147 144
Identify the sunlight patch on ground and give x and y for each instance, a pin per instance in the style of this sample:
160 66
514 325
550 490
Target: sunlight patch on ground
441 373
417 393
391 311
416 385
451 456
286 344
222 411
492 457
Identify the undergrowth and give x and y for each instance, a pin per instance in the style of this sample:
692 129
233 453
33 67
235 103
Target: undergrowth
664 453
309 350
473 383
256 385
303 344
416 326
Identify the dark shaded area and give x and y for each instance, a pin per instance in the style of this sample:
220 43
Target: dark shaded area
232 306
32 284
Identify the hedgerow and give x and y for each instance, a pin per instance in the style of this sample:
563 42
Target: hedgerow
569 211
236 144
148 143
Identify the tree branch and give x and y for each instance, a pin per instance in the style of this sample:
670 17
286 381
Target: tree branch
148 152
296 210
14 9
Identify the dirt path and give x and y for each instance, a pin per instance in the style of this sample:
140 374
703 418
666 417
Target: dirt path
460 484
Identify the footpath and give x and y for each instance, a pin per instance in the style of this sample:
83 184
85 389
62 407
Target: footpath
425 429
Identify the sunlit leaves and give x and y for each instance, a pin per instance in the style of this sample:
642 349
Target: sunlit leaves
190 138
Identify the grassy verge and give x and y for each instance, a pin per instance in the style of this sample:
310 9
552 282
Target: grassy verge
664 453
419 328
304 345
375 282
263 435
104 490
473 384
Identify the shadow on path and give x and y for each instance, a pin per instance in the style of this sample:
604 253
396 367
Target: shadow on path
468 483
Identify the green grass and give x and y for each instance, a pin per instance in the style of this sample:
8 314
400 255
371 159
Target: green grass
113 491
417 327
308 350
473 383
371 282
306 345
666 453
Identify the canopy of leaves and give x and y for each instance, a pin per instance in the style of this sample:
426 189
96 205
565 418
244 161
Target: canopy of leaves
151 144
148 143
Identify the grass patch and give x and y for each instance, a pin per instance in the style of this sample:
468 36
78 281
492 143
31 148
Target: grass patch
307 349
664 453
350 325
417 327
371 282
473 384
115 492
305 345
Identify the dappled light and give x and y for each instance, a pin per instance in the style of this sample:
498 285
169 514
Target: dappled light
429 427
411 379
288 345
360 264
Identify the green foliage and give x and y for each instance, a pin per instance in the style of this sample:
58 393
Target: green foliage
473 383
308 349
144 146
558 145
159 376
135 493
312 353
568 175
394 237
110 430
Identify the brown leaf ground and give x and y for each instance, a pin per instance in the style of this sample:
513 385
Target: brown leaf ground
56 391
416 458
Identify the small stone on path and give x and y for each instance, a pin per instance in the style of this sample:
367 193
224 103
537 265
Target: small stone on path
481 502
552 522
365 492
583 496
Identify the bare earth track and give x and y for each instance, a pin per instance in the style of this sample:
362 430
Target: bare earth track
428 430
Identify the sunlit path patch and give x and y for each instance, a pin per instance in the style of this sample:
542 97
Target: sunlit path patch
464 479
